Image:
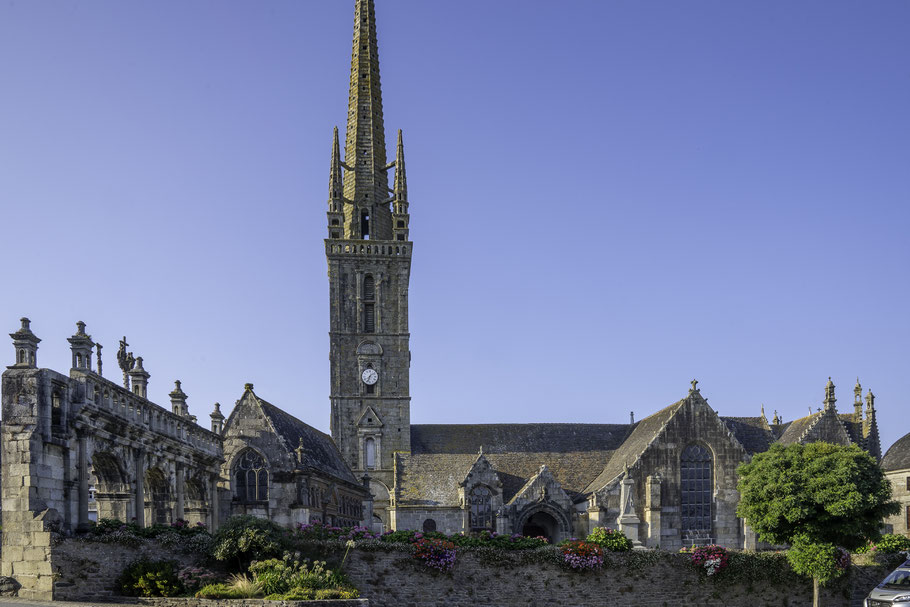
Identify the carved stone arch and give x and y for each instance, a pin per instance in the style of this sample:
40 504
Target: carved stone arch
563 524
109 485
369 348
250 475
158 497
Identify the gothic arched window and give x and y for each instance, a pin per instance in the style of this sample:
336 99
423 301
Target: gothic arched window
481 503
369 304
697 490
251 477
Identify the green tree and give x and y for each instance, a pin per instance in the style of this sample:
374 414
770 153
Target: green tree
815 497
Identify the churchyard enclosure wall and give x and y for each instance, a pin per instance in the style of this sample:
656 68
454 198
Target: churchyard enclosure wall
88 570
392 579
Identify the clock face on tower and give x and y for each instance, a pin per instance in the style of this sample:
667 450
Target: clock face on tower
369 376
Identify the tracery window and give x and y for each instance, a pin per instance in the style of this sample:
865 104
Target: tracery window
697 488
481 503
251 477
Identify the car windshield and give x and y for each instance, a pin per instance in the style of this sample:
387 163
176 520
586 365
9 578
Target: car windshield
899 580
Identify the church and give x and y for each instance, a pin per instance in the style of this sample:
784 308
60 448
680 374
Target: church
78 443
667 480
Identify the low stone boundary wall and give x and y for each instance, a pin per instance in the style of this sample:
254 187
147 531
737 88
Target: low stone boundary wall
252 603
394 579
391 577
89 570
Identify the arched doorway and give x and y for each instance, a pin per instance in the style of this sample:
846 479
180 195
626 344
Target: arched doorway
157 498
541 524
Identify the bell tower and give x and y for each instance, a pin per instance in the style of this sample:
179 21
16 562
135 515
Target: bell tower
369 266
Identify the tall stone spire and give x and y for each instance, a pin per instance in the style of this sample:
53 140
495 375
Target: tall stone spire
366 184
336 192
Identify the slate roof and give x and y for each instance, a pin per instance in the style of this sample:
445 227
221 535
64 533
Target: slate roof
639 439
794 430
441 456
319 450
753 433
898 455
854 429
516 438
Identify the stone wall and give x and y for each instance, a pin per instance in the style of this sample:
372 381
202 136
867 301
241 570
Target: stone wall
89 570
392 579
900 491
156 602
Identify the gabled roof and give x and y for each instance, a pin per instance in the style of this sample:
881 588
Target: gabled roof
434 478
319 450
645 431
753 433
854 428
794 430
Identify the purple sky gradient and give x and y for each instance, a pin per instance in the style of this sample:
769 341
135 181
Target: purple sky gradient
608 198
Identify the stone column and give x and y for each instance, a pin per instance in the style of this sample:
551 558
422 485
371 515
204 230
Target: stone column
140 488
83 482
213 526
180 491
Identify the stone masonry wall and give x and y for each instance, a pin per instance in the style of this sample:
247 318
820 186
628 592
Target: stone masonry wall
393 579
89 570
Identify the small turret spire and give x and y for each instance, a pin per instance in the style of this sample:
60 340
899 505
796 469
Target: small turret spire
400 188
829 395
335 213
400 218
776 420
858 402
336 182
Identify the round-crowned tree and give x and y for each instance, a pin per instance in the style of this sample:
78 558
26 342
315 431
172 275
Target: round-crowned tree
815 497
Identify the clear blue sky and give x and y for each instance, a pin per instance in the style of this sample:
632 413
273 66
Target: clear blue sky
608 198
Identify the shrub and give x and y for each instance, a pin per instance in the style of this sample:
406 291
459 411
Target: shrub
892 543
309 594
195 578
613 540
819 560
276 576
435 553
150 578
219 591
246 538
578 554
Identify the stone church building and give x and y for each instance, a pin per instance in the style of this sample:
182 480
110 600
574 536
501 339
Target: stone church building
668 480
78 443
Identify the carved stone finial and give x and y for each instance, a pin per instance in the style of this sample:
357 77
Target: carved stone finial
80 328
631 417
763 412
26 324
694 386
776 420
98 349
870 400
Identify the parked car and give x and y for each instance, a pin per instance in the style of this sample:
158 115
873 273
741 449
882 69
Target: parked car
894 589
